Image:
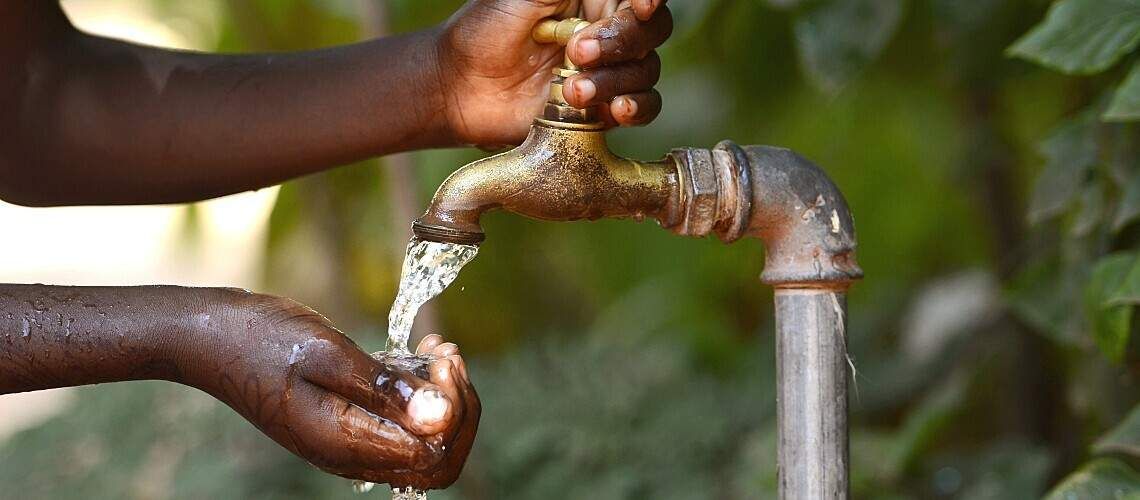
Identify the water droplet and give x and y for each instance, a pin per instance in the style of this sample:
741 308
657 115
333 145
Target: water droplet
295 355
359 486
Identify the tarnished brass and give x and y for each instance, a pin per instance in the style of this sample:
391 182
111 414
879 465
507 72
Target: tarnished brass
557 31
557 109
556 174
565 171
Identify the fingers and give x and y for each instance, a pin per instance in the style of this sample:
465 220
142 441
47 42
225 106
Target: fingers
592 10
428 343
619 38
632 109
644 9
342 438
349 372
602 84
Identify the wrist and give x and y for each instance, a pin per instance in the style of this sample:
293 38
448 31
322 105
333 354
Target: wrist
431 91
204 327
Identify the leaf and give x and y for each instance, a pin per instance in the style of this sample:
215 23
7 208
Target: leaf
1129 207
1100 478
1111 320
1082 36
1092 210
1124 438
1069 151
837 39
1126 289
1125 105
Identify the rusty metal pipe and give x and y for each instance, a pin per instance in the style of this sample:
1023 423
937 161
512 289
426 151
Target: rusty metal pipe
765 192
809 237
565 171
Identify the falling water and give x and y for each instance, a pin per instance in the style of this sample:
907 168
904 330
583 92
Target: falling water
429 267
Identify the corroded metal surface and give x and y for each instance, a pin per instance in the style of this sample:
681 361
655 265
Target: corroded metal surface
811 394
778 196
556 174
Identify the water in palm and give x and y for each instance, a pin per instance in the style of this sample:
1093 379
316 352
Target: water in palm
429 267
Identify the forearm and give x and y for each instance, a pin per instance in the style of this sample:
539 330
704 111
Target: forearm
99 121
58 336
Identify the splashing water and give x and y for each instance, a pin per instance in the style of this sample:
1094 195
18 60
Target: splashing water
397 494
408 494
429 267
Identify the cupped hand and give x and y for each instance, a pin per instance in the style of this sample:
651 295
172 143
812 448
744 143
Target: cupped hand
496 77
307 386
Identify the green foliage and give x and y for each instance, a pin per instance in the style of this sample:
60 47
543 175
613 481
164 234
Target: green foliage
1111 280
616 360
1102 478
1082 36
1070 152
1124 438
1125 104
836 39
1088 157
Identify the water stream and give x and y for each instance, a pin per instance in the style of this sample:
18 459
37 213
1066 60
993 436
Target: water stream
429 267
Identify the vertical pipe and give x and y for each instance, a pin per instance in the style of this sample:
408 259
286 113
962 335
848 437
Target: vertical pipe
811 393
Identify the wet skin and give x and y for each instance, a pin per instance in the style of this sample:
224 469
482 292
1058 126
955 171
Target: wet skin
279 364
86 120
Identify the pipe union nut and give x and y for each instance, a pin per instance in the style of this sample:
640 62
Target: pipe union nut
699 191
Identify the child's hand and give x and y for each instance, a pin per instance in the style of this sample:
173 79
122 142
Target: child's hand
496 76
311 389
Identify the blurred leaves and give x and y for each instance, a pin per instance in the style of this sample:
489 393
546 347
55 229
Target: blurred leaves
1112 279
1101 478
1069 151
836 39
1125 105
1124 438
618 361
1082 36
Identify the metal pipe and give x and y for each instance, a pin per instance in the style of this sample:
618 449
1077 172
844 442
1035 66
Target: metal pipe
811 393
565 171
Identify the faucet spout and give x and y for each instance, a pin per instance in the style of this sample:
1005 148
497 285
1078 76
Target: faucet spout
561 172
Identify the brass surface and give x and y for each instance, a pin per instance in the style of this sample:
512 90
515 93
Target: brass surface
557 109
557 31
558 174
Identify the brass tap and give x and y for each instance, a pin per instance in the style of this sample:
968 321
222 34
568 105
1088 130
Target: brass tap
564 170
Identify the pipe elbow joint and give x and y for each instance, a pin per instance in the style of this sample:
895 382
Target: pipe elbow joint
779 197
803 219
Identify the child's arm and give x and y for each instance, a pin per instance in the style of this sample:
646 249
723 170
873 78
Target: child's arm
90 120
279 364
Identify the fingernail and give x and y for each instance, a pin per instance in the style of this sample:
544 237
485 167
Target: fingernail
585 89
628 107
428 406
588 50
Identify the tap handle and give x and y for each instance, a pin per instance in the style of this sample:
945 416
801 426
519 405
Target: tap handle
556 109
557 31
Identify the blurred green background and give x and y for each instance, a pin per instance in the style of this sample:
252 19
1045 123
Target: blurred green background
991 337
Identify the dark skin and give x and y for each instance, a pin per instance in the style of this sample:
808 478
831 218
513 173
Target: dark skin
86 120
